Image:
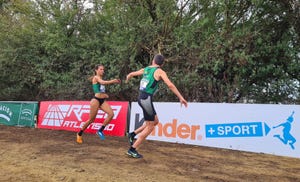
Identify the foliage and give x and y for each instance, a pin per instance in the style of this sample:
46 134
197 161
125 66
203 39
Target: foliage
217 51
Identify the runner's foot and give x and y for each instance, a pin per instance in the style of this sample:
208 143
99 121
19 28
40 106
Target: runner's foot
134 154
101 135
78 139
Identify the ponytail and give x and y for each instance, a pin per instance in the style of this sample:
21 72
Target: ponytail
90 78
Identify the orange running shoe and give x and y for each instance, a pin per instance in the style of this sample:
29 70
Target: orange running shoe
79 139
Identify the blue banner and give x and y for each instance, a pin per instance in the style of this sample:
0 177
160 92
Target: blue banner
249 129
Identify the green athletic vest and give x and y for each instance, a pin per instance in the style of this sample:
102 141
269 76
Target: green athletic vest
98 88
148 83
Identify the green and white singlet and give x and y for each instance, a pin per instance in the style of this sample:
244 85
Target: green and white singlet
148 83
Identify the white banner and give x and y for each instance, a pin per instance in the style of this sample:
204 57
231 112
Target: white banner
262 128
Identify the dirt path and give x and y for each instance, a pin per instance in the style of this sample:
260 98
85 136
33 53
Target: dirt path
29 154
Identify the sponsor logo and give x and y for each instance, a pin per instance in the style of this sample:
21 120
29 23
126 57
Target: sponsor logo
175 130
253 129
73 116
5 113
249 129
172 129
285 135
26 114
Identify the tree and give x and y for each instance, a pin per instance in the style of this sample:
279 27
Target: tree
217 51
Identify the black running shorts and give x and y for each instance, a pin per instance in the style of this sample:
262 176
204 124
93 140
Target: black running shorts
145 101
100 100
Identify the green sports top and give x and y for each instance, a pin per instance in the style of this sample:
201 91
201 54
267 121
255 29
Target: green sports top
148 83
98 88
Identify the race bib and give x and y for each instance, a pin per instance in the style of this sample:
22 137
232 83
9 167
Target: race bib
102 88
143 84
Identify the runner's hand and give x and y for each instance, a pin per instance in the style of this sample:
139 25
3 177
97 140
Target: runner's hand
127 78
117 81
184 102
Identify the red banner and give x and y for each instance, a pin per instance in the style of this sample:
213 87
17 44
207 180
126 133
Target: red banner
71 115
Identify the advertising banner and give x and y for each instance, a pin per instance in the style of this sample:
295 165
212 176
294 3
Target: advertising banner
262 128
18 113
71 116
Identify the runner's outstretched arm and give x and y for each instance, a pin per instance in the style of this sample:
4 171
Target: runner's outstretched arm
172 87
132 74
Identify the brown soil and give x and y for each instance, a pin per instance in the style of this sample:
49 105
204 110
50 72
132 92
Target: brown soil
30 154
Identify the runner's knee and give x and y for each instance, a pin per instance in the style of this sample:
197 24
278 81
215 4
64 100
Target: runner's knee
110 115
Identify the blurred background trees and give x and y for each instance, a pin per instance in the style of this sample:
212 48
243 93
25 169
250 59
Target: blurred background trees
234 51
